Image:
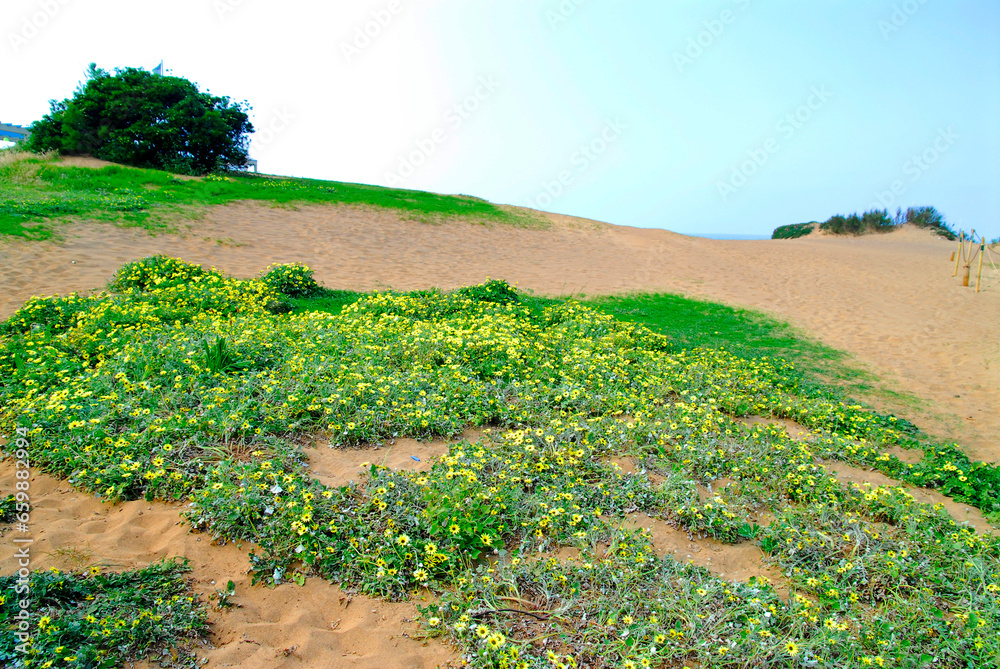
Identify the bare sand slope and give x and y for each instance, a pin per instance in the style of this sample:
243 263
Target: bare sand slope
890 300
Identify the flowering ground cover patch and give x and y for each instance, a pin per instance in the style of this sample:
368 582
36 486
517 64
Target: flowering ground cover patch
182 383
98 619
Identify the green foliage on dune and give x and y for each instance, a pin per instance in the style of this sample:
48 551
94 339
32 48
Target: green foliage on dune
794 231
37 193
873 221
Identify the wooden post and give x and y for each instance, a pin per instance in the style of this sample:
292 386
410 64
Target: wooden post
979 275
961 249
965 277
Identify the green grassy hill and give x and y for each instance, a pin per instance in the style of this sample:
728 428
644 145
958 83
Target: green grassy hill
36 193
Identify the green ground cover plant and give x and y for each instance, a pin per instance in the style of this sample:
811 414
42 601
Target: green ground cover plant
8 509
36 192
103 619
794 231
182 383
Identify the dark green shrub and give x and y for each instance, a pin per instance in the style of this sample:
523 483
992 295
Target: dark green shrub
291 279
843 225
138 118
157 271
794 231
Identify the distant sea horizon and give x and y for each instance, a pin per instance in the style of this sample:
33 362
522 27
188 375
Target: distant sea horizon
720 235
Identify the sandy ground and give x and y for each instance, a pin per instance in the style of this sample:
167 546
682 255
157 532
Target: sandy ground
316 625
890 300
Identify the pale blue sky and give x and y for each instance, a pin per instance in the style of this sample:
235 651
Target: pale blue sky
652 114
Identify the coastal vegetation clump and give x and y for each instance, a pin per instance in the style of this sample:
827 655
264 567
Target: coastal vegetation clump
872 221
181 383
794 231
875 220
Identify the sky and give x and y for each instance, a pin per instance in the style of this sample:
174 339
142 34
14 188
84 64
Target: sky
712 116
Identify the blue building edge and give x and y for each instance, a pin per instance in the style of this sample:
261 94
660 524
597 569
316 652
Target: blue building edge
13 133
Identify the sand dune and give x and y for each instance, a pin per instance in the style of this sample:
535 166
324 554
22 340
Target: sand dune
889 299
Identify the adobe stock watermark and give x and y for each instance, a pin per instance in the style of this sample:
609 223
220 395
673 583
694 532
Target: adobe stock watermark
276 124
22 586
225 7
786 128
713 29
32 24
915 168
582 159
562 12
365 34
456 115
900 16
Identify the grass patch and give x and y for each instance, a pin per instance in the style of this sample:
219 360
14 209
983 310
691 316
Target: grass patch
693 323
36 191
182 383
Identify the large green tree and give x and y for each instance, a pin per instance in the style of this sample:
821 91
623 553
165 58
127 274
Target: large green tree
138 118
